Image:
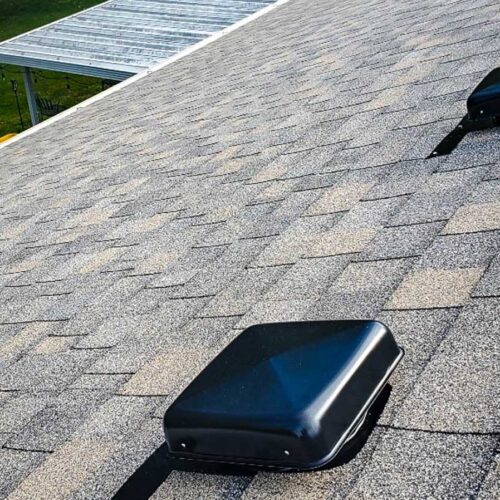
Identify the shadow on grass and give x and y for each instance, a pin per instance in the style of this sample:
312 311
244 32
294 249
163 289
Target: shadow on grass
153 472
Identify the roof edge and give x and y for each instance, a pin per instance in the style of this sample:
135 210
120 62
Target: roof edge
142 74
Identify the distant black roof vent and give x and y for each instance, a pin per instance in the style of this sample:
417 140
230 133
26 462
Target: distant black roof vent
483 111
284 395
484 102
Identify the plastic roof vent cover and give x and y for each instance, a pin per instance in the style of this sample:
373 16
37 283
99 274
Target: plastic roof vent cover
285 395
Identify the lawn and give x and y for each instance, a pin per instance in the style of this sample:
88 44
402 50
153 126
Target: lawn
19 16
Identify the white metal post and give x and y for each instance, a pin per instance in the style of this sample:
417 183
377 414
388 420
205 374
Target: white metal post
30 95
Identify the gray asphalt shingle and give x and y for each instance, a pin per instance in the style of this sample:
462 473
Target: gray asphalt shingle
278 173
410 464
458 390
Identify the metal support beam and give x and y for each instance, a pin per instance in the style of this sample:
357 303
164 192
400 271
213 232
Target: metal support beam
30 95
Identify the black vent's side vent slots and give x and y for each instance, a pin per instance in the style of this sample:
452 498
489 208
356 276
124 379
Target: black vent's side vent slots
483 112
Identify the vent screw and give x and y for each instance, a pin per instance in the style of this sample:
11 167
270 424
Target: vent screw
481 111
287 453
183 445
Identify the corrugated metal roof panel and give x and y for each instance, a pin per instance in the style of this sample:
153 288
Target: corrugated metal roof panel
119 38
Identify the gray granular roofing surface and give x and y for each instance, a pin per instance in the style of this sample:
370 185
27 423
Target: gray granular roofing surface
277 174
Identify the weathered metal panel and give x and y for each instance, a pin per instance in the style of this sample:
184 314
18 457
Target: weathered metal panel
119 38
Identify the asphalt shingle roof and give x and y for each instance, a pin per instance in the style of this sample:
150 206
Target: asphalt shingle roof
278 173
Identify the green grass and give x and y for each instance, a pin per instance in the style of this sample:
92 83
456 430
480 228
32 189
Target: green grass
19 16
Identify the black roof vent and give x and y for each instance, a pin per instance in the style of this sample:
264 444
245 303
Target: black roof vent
483 111
285 395
484 102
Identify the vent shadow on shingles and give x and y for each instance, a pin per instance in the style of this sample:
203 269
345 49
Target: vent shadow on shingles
483 112
157 467
155 470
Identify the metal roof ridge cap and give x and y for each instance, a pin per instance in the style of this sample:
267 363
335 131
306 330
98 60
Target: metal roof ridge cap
142 74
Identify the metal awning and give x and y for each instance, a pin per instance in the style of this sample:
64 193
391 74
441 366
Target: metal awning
119 38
